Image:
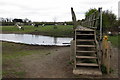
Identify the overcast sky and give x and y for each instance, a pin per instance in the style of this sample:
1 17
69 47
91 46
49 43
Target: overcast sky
48 10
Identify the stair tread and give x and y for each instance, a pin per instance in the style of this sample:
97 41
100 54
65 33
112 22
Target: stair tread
86 64
85 40
90 57
85 30
84 34
87 71
86 51
85 45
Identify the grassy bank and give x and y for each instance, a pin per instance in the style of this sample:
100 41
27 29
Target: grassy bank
49 30
13 53
114 40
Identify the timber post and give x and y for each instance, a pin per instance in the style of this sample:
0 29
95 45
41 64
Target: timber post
106 53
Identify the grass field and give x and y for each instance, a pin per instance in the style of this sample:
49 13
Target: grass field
59 31
114 40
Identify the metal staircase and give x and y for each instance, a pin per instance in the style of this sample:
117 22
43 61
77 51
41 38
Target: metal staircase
86 60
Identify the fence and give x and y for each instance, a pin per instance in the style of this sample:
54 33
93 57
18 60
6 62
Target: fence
94 21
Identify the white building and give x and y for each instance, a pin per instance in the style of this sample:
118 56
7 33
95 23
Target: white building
119 10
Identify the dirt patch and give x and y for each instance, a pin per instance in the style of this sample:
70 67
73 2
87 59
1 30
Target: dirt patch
114 63
56 65
51 65
36 61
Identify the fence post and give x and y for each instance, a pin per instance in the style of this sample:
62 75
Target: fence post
106 53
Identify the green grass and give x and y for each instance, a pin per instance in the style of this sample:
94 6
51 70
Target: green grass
16 74
13 53
10 57
103 69
20 73
114 40
60 31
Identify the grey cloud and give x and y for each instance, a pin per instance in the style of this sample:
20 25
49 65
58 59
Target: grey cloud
97 2
53 10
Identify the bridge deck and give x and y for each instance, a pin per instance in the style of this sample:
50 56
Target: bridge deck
83 28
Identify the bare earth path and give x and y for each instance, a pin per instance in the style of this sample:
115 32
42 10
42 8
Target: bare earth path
48 65
55 64
114 63
44 62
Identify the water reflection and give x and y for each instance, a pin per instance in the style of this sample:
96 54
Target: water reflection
35 39
55 40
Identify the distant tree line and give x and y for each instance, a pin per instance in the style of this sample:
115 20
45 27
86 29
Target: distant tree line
11 22
53 23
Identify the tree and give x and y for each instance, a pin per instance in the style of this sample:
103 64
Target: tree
17 20
118 22
26 20
108 18
90 11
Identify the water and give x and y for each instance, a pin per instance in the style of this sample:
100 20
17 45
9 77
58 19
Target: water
35 39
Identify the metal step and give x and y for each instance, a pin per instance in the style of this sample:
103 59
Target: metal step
85 40
85 45
86 57
87 64
85 51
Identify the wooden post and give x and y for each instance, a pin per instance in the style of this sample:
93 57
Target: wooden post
72 54
74 22
107 50
74 19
